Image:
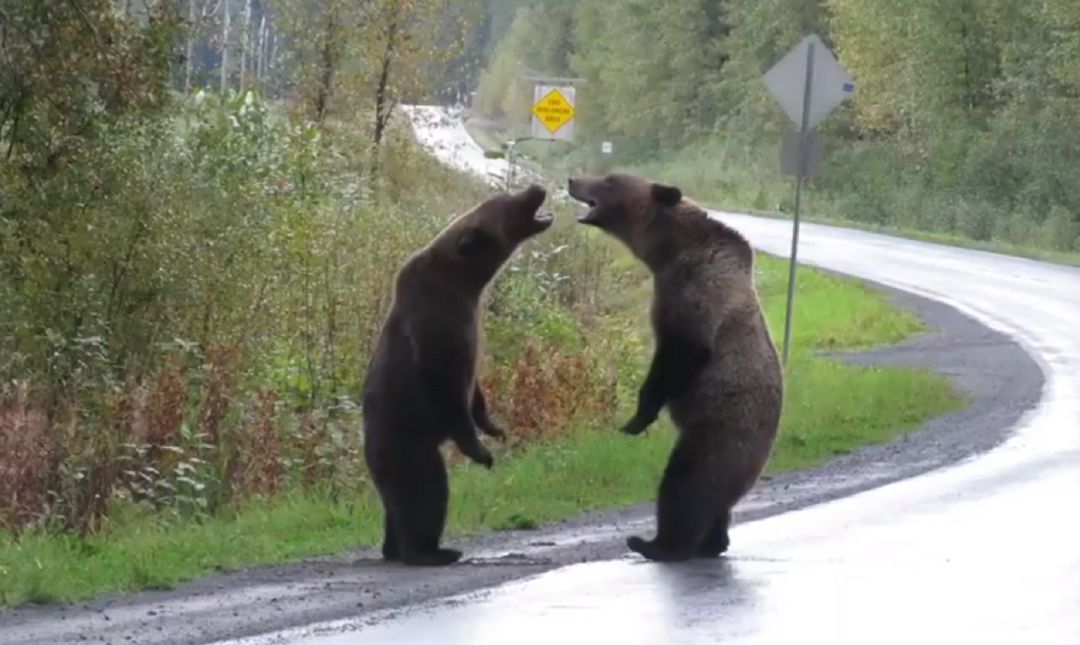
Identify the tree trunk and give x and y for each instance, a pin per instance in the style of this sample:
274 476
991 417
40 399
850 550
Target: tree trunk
189 51
326 74
245 43
260 50
271 53
383 103
225 48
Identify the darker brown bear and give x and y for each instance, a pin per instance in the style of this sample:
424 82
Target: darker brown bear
421 384
715 366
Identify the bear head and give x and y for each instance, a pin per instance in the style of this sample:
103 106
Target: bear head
479 242
626 206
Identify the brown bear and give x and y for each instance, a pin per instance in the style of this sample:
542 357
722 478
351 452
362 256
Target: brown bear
715 365
421 387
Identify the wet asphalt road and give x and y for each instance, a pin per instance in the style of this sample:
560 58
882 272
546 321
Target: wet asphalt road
984 551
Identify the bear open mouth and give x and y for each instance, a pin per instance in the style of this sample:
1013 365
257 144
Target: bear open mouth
585 216
541 221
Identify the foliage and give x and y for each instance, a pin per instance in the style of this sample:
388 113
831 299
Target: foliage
192 299
371 55
964 121
193 281
67 67
536 42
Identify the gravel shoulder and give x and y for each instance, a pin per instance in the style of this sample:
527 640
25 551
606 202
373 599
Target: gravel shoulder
1000 380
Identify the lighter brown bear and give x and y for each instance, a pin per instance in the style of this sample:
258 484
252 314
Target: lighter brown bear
714 365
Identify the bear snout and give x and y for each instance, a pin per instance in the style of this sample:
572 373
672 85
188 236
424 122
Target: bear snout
533 196
578 189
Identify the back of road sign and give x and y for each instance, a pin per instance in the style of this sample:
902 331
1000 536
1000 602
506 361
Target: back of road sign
787 82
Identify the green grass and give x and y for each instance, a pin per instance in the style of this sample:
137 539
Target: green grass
830 408
139 551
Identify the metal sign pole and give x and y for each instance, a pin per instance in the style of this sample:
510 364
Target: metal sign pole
803 139
801 151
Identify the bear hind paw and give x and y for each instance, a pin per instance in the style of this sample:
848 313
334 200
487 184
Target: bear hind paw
436 558
653 551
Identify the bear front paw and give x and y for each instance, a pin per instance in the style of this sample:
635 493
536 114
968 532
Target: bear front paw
483 457
492 430
635 426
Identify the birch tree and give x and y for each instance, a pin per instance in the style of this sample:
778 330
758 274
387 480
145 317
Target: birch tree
225 20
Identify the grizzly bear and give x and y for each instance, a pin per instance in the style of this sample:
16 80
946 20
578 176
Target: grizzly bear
714 365
421 387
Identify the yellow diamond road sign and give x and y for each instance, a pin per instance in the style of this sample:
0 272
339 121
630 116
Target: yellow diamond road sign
554 110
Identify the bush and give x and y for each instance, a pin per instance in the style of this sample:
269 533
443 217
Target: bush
974 221
1060 231
193 301
27 454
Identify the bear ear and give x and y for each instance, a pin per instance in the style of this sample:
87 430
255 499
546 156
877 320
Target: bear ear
666 195
472 241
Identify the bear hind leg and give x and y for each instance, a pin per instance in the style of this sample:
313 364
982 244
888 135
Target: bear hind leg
420 519
734 486
390 547
683 513
716 541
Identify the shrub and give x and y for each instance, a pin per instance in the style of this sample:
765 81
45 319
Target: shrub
194 300
25 458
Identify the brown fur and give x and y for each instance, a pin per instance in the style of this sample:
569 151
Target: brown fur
421 386
716 368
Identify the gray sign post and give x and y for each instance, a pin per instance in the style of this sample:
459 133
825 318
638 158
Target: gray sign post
809 66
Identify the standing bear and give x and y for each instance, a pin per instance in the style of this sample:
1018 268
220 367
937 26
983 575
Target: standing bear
715 365
421 386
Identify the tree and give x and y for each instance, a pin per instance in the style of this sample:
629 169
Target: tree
199 13
226 19
320 36
539 40
652 74
68 66
412 44
923 67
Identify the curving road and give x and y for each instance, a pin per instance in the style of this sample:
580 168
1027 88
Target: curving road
985 551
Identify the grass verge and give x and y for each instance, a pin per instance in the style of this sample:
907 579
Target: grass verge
831 408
